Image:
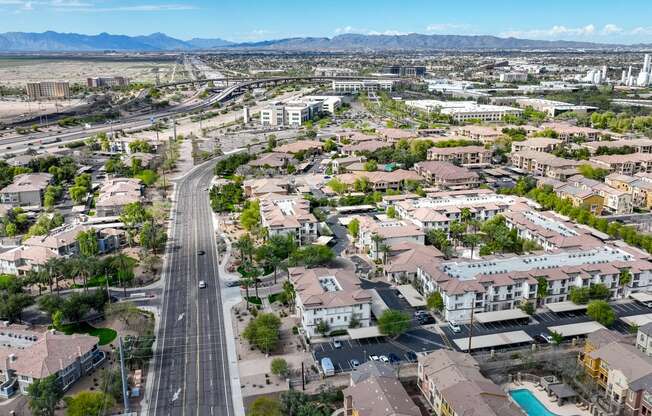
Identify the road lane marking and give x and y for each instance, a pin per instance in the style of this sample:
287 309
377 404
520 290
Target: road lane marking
181 316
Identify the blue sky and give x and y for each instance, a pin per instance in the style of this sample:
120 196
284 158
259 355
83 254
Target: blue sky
244 20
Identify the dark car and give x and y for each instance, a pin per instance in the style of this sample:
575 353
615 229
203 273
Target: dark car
201 252
411 356
393 358
233 283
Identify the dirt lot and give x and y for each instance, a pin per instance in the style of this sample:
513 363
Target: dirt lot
18 71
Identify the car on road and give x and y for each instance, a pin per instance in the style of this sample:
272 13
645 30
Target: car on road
200 252
393 358
374 358
383 358
202 284
355 363
233 283
337 344
454 327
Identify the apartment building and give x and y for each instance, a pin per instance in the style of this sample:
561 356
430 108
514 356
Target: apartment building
405 258
48 89
439 209
28 355
288 215
621 371
445 175
275 161
549 230
20 260
639 186
395 135
301 146
467 156
644 338
462 111
363 147
544 164
636 145
26 189
115 194
624 164
97 82
63 240
484 134
340 164
333 296
381 180
377 236
617 201
568 132
349 87
504 282
537 144
452 384
376 390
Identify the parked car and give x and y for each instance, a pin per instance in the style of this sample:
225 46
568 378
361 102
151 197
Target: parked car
355 363
327 366
547 337
393 358
384 358
337 344
411 356
374 358
454 327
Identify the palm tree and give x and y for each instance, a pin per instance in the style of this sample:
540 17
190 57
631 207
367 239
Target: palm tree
376 239
385 249
246 247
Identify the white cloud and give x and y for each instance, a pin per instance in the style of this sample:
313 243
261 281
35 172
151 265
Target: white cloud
350 29
556 31
641 30
610 28
387 32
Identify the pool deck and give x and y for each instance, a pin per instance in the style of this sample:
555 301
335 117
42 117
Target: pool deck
568 409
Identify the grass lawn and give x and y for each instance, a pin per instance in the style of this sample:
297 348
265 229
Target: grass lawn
106 335
255 300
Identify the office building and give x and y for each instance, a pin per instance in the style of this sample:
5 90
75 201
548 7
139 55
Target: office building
404 71
349 87
513 77
98 82
292 114
48 89
462 111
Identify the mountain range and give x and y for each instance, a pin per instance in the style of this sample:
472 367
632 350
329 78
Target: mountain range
74 42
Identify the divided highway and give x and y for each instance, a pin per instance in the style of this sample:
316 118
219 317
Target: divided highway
191 369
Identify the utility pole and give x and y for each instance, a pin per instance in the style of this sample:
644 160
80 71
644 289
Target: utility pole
303 378
471 325
174 128
124 377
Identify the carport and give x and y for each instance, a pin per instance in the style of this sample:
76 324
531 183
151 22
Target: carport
365 332
568 306
637 320
574 330
493 340
498 316
642 297
323 240
412 296
378 305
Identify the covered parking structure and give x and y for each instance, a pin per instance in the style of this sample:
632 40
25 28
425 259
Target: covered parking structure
642 297
365 332
493 340
568 306
576 330
412 296
637 320
500 316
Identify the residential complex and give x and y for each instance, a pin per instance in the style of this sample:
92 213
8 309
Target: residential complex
332 296
445 175
467 156
544 164
115 194
288 215
47 90
27 189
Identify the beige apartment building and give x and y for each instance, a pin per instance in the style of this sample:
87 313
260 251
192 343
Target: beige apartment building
468 156
48 89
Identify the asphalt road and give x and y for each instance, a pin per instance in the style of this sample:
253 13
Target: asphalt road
191 365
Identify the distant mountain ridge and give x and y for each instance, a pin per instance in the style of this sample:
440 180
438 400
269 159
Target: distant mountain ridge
73 42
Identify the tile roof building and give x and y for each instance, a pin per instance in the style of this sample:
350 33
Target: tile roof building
333 296
288 215
624 164
309 146
544 164
381 180
19 260
27 355
452 384
445 175
467 156
26 189
639 186
617 201
537 144
115 193
376 235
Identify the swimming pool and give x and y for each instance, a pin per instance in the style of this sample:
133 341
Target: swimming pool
530 404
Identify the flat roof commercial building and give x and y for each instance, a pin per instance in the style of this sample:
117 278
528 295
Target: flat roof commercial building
551 107
462 111
348 87
290 114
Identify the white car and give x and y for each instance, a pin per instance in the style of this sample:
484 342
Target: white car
374 358
337 344
202 284
384 358
454 327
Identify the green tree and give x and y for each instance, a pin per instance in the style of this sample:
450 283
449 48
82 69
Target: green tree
542 288
337 186
557 338
250 216
280 367
265 406
371 166
88 403
602 312
77 194
391 211
527 307
393 322
323 327
44 394
354 227
151 236
625 277
312 255
263 331
330 145
124 266
435 302
88 244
